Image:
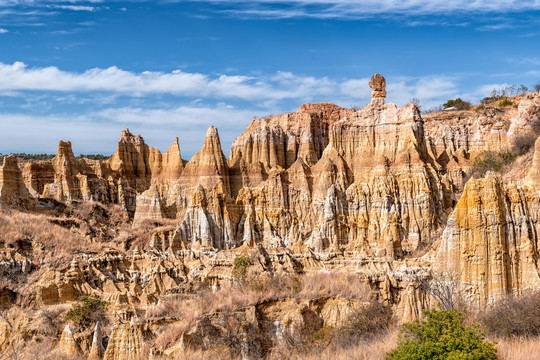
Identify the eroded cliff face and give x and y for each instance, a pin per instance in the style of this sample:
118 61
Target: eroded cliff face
381 192
491 241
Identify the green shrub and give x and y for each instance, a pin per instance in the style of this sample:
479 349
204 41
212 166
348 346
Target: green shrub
240 267
458 104
94 156
442 335
87 312
506 102
491 161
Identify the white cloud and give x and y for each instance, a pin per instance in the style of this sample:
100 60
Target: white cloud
99 131
93 106
3 31
75 7
369 8
264 90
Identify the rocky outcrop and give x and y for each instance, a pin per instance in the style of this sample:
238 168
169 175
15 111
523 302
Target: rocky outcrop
280 140
67 342
97 350
130 161
208 167
125 343
382 192
490 243
12 187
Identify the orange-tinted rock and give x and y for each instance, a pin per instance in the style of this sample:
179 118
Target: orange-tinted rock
209 166
12 187
125 343
131 162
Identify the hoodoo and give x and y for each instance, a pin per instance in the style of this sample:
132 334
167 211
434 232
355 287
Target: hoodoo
381 194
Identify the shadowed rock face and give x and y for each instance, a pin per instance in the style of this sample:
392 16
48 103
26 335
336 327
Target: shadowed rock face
380 191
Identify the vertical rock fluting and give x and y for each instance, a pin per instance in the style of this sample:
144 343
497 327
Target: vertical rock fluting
67 342
97 350
12 187
336 183
280 140
209 166
125 343
491 243
131 161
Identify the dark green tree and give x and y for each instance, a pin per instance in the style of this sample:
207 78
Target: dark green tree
442 335
458 104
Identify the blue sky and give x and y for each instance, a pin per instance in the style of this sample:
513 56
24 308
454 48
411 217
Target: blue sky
85 70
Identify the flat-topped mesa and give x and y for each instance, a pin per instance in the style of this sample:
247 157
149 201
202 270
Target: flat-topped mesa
12 188
131 161
207 167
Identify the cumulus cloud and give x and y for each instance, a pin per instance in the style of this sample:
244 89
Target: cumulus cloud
264 89
45 104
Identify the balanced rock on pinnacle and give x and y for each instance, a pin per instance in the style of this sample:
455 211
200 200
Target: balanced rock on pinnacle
378 84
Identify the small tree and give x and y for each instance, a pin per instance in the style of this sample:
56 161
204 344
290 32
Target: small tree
416 101
442 335
88 311
240 267
445 289
458 104
537 87
522 90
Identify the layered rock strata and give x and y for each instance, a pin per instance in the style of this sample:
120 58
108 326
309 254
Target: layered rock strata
382 192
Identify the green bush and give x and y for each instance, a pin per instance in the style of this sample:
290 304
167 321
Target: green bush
94 156
442 335
458 104
240 267
87 312
506 102
491 161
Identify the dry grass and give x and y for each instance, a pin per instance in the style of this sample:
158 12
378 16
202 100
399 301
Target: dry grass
519 348
260 289
513 316
19 230
140 236
227 299
365 349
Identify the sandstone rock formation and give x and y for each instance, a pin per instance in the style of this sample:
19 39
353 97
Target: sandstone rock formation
378 84
382 192
67 342
97 350
12 188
